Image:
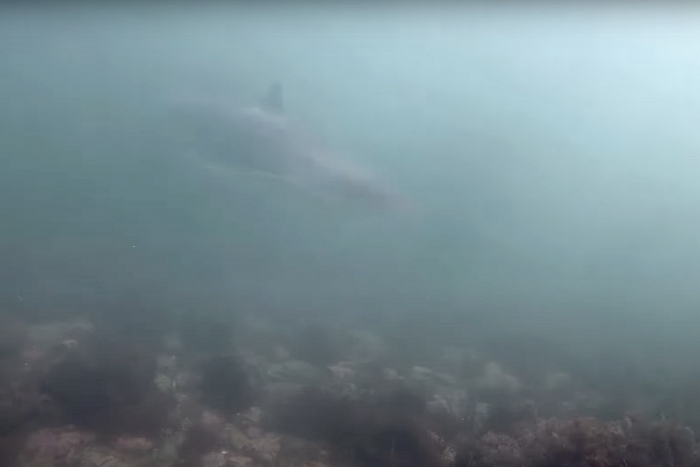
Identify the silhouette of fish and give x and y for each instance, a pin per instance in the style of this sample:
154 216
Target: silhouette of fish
262 139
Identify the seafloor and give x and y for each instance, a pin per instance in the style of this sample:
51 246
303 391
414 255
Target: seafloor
271 393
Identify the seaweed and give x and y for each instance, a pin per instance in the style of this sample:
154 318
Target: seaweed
108 387
380 432
225 384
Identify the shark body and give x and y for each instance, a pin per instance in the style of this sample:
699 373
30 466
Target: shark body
262 139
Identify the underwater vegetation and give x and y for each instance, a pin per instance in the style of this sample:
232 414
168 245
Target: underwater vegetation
108 388
387 431
315 343
225 385
583 441
73 394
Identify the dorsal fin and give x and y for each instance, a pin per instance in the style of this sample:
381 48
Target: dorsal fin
273 100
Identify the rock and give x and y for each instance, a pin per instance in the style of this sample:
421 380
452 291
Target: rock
421 373
225 459
367 346
296 371
391 374
342 371
167 363
62 446
133 444
50 335
100 457
438 406
251 417
163 383
498 382
254 442
426 375
169 448
212 423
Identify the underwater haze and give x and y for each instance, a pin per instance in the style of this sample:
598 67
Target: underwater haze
552 153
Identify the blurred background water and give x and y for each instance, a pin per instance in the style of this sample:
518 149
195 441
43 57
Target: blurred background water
554 153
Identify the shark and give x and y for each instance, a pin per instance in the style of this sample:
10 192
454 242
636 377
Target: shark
263 140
